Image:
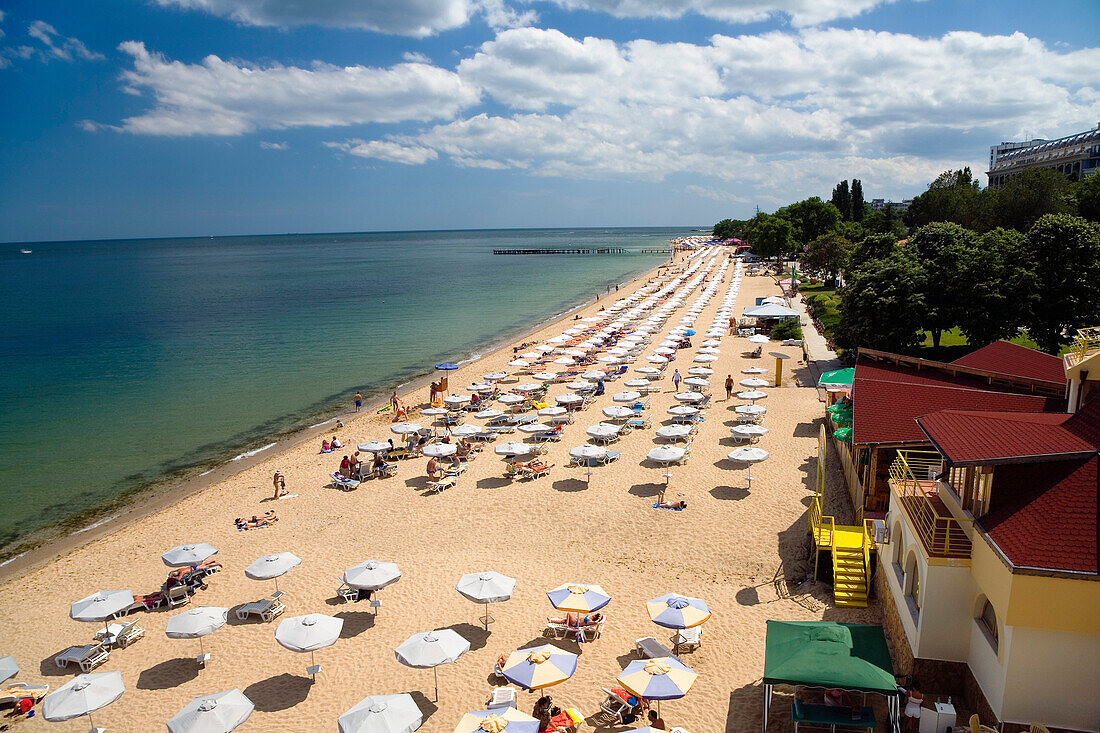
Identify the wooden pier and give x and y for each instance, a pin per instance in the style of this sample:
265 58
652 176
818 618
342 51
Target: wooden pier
578 251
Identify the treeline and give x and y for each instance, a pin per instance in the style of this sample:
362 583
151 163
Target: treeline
990 262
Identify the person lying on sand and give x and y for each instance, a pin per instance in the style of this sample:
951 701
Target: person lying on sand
676 503
266 520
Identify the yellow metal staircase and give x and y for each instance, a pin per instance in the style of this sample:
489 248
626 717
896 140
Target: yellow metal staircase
849 577
850 550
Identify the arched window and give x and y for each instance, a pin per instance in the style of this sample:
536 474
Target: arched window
896 540
912 581
987 620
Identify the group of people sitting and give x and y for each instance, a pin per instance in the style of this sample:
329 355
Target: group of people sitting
639 709
328 446
353 467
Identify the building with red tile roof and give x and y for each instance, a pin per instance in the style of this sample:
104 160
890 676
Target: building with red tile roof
1005 357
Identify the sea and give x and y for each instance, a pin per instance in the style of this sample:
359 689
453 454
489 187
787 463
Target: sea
128 364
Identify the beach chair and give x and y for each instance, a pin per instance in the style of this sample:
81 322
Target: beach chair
400 454
266 608
455 471
538 470
613 707
502 697
86 657
649 648
591 632
178 596
343 482
438 487
702 404
387 471
638 424
17 691
687 639
610 456
120 635
516 470
484 436
550 436
346 593
556 631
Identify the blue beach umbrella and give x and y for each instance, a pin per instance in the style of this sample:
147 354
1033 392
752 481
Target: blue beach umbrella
578 597
674 611
663 678
446 366
542 666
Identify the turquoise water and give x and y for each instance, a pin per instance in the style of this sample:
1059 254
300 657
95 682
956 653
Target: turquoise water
128 362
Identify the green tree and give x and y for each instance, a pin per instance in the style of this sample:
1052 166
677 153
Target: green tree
872 247
771 236
811 218
882 306
943 249
728 229
857 200
827 255
884 221
1002 287
1067 264
1031 194
842 200
1086 194
954 197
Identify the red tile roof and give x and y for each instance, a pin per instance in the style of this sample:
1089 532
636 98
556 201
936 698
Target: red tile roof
1005 357
889 397
1043 515
981 437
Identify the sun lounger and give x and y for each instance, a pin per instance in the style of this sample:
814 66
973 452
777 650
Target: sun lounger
485 436
455 470
266 609
613 707
701 404
503 697
437 487
13 693
611 455
346 592
343 482
516 470
400 454
86 657
550 436
120 635
649 648
687 639
638 424
556 631
538 470
591 632
178 596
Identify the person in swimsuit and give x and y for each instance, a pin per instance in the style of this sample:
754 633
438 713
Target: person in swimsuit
914 698
729 386
358 401
279 482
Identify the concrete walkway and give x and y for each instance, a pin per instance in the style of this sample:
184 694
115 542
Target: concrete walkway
820 358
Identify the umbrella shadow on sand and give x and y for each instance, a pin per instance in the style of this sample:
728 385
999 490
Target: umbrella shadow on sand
729 493
494 482
279 692
476 635
646 490
169 673
355 622
417 482
427 707
570 484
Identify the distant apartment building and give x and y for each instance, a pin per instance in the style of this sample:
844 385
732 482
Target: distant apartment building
1076 156
880 204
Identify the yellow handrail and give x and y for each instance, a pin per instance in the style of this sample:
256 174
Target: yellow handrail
942 534
1088 340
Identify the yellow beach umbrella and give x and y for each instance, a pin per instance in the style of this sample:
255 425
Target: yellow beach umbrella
578 597
539 667
501 720
674 611
663 678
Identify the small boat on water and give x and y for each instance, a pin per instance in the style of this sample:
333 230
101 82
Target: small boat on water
25 251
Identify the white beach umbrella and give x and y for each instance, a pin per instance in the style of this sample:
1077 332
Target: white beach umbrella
673 432
749 455
404 428
710 350
591 319
580 384
575 352
681 410
308 634
545 348
486 587
373 446
513 448
431 649
617 412
603 430
748 431
689 396
552 411
752 394
531 355
220 712
456 399
751 410
440 450
758 338
183 556
626 396
649 371
664 350
196 623
8 668
535 427
494 376
382 714
636 383
697 382
712 342
656 359
101 606
701 371
488 414
594 375
565 361
568 399
705 358
609 359
464 430
665 454
545 376
527 387
372 575
754 370
434 411
753 382
83 695
519 363
588 451
272 566
479 387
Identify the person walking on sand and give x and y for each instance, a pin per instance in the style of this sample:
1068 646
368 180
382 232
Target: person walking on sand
676 380
729 386
358 402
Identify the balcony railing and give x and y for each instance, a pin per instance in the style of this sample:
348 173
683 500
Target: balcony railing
912 476
1086 344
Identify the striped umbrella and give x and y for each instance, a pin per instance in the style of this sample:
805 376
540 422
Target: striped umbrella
542 666
674 611
578 597
501 720
663 678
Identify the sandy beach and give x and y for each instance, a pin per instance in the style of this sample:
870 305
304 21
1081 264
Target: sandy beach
744 551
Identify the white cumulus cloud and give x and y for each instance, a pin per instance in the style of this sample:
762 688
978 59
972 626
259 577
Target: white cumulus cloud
800 12
46 45
274 146
388 150
219 97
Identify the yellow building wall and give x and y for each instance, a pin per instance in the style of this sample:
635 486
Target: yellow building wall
1053 678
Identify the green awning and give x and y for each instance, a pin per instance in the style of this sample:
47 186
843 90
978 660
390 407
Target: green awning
844 434
828 654
838 378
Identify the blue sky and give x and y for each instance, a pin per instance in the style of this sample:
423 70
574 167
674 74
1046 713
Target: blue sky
192 117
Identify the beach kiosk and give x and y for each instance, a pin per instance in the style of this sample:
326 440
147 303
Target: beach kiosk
830 655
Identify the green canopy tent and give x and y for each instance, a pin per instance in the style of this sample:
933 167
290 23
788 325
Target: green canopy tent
838 378
827 654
